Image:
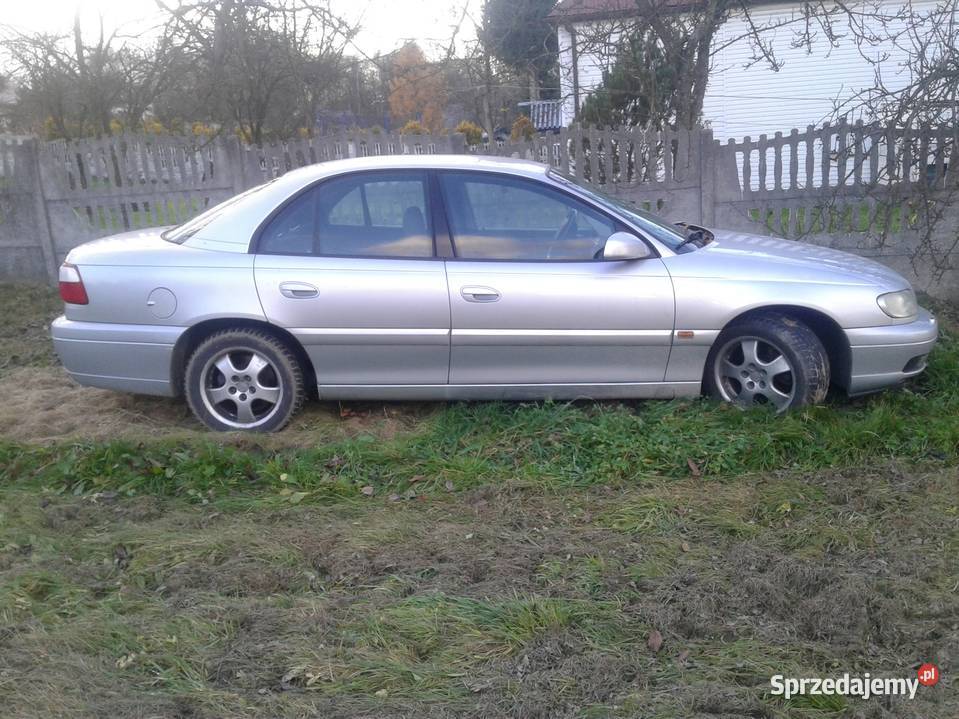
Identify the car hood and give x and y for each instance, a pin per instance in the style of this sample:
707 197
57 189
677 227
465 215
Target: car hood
741 255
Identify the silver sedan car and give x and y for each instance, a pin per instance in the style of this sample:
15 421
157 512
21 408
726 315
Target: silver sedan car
453 277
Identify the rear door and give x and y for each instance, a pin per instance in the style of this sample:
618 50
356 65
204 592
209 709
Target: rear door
530 303
349 268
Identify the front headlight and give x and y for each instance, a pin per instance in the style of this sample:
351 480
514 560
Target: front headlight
899 304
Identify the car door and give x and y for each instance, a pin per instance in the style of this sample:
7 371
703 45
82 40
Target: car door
530 303
349 268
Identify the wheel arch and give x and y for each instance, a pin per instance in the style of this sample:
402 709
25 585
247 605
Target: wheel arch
822 325
194 335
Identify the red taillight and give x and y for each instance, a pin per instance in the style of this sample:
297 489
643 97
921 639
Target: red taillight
72 290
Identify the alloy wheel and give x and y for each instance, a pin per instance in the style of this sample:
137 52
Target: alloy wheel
750 371
241 388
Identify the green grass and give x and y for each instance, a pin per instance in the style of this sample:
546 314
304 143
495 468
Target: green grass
547 445
857 217
512 560
28 309
475 600
139 215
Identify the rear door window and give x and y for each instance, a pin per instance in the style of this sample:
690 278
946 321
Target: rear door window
375 215
357 215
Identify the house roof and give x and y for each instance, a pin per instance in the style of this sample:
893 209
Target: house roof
546 115
579 10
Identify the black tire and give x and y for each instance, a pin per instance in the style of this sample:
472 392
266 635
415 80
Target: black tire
737 373
247 362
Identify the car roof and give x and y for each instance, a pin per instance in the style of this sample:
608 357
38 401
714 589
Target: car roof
509 165
231 231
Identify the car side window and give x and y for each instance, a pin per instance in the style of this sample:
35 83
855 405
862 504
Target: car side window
493 217
381 214
375 215
392 201
349 210
292 231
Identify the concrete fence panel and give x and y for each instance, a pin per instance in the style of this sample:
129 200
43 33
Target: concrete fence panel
868 189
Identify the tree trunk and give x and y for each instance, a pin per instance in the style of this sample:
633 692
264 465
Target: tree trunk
487 91
78 45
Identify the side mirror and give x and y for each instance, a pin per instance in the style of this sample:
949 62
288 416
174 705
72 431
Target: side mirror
625 246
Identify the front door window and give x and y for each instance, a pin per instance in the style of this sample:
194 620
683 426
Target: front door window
493 217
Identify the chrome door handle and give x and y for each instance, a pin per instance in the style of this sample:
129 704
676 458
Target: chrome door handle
473 293
298 290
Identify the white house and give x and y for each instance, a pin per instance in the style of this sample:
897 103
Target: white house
809 86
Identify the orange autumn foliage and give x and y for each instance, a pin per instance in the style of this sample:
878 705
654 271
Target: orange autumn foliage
418 89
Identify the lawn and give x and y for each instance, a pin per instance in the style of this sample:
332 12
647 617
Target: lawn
641 559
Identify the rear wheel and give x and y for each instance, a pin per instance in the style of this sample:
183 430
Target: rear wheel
244 380
770 359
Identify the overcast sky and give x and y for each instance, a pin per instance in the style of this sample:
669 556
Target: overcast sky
386 24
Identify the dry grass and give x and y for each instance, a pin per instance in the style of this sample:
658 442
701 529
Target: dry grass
512 561
27 310
42 404
485 603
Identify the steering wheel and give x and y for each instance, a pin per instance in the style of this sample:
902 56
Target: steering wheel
563 233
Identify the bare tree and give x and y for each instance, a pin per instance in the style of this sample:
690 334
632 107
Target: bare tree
916 102
5 104
260 64
46 73
148 74
69 87
492 87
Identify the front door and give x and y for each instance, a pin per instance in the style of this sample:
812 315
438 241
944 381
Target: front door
530 302
349 268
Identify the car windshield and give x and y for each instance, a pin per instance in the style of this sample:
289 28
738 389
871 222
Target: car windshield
181 233
670 235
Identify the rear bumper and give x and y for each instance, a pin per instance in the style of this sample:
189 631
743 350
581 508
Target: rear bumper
129 358
886 356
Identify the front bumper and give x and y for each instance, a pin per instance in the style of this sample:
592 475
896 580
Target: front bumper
129 358
885 356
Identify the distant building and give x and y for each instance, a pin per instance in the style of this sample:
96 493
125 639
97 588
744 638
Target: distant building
739 100
546 115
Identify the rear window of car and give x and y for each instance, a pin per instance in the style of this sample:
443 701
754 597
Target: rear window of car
181 233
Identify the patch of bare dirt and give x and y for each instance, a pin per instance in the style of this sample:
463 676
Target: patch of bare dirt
590 676
236 577
70 515
43 404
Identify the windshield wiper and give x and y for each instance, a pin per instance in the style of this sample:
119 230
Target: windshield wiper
692 238
695 234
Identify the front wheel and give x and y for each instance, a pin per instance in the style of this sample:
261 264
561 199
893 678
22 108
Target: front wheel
770 359
244 380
